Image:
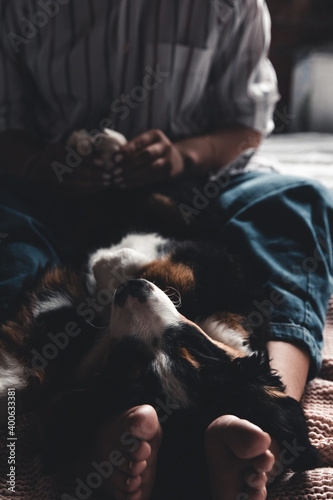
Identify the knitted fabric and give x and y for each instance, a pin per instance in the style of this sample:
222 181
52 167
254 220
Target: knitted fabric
32 484
317 402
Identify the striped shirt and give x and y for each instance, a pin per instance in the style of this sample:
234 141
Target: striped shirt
184 66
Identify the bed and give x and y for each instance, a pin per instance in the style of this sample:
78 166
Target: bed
309 155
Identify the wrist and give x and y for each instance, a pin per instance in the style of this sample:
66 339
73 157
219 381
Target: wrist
188 151
212 151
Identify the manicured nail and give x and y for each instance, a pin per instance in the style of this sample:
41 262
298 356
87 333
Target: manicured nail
118 158
98 162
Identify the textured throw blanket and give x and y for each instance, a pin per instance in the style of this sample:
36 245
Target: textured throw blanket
31 484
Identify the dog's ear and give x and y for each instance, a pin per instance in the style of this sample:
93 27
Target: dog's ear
289 427
264 402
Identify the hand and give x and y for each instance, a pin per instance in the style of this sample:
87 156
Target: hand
67 172
149 158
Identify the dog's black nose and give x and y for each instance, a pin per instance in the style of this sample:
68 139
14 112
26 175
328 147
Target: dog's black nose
138 288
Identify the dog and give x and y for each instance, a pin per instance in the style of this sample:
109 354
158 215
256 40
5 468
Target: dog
151 321
148 320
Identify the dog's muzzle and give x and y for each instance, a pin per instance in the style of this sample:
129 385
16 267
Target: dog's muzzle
141 309
140 289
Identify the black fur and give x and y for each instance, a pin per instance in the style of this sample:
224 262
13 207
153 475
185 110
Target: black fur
244 386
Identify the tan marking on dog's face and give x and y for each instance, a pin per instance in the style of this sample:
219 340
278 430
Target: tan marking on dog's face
186 355
166 273
232 352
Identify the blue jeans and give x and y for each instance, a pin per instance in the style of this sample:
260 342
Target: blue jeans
280 225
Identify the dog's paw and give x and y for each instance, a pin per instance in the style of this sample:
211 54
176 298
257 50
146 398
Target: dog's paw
110 268
103 144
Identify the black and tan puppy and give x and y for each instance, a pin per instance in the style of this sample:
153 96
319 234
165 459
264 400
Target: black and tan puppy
157 321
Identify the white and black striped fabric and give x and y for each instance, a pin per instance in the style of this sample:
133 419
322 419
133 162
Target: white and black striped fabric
184 66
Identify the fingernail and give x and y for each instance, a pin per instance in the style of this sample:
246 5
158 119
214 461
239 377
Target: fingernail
106 177
128 481
98 162
118 171
130 465
118 158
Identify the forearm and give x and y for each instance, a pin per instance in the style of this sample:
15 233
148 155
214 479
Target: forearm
212 151
292 364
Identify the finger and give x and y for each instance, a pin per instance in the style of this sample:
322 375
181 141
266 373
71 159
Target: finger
146 156
141 177
147 173
133 177
88 174
137 144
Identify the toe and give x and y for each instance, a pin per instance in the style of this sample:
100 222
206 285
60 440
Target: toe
256 480
265 462
245 440
133 467
142 422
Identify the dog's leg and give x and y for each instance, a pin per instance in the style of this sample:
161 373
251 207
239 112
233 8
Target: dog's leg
109 267
228 329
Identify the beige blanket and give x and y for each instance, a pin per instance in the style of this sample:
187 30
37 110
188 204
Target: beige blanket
31 484
318 406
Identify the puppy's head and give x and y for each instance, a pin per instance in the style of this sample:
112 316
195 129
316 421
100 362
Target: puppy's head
153 351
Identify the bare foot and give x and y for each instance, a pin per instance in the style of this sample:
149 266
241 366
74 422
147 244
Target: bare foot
124 453
238 459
